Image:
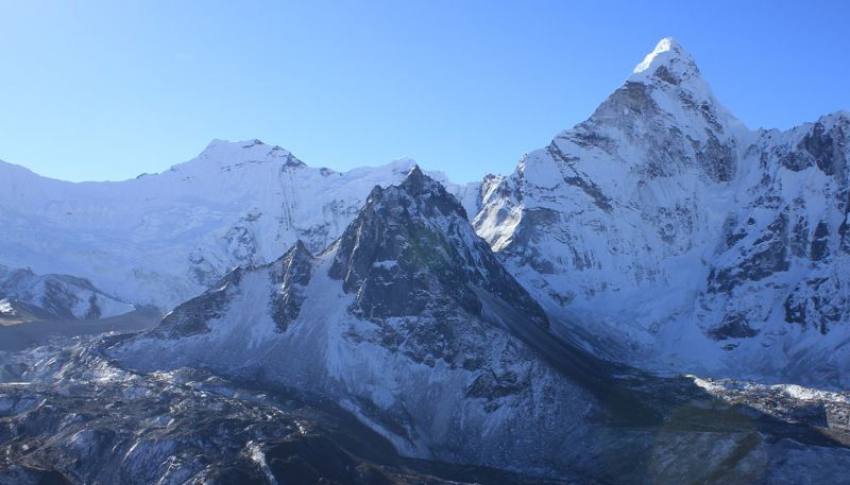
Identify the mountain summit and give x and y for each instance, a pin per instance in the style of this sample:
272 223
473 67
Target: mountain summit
412 248
227 155
662 223
670 58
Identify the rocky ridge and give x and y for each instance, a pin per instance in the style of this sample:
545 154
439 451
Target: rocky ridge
163 238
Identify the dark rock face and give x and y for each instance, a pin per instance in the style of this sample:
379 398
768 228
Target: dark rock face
241 243
201 271
758 261
768 255
412 250
664 74
417 267
94 312
819 147
733 326
191 317
825 150
491 386
732 233
290 274
820 242
57 301
800 238
818 302
717 160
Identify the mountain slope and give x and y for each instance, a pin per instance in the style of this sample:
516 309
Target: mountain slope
26 296
664 232
163 238
411 324
391 321
69 415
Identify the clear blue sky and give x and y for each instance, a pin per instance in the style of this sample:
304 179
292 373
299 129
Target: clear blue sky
106 90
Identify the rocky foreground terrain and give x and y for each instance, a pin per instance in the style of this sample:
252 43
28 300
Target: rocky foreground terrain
69 416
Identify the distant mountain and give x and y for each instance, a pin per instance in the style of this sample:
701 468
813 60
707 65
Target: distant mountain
26 296
666 233
160 239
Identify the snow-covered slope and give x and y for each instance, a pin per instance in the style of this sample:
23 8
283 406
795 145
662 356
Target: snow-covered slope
663 231
396 321
411 323
163 238
25 295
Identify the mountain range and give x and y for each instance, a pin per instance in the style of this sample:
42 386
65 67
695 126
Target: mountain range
658 295
161 239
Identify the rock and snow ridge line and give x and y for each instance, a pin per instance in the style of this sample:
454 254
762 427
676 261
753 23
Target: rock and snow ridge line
163 238
409 347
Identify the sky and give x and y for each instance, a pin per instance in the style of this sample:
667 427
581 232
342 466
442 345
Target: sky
106 90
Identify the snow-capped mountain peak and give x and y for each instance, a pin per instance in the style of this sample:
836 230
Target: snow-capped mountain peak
226 154
668 53
416 183
675 84
162 238
663 222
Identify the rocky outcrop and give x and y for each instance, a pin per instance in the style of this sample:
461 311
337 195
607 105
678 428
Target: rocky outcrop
411 249
191 317
290 276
